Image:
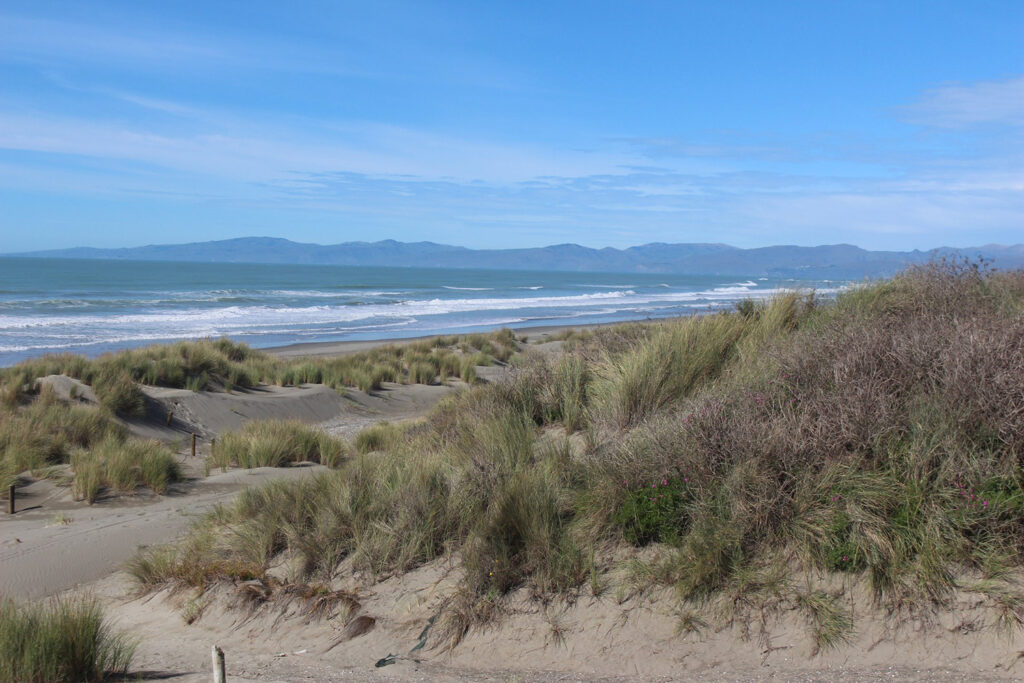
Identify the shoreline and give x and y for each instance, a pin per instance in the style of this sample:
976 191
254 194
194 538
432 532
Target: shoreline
343 348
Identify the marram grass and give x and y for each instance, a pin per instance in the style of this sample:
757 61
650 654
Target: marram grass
875 438
62 640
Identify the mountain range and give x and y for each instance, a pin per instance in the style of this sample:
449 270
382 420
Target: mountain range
827 261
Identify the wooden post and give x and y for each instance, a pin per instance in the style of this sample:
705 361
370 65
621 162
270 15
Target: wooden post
10 500
193 445
170 417
219 676
213 444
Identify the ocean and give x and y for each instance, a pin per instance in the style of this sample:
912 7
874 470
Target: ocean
93 306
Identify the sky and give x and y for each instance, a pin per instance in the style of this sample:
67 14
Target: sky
887 124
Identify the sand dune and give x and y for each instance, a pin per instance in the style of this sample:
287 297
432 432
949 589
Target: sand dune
42 553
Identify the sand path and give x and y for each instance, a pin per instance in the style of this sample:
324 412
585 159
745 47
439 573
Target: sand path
54 543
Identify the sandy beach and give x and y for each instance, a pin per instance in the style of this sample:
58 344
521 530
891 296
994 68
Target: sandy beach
533 335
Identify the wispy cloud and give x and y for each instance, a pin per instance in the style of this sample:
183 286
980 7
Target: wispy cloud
970 104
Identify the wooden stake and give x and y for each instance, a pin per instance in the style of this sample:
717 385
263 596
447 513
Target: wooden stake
170 417
213 444
10 500
193 445
219 675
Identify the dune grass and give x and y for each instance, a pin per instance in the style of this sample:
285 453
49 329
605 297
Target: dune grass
63 640
277 443
46 431
225 365
876 438
121 466
38 431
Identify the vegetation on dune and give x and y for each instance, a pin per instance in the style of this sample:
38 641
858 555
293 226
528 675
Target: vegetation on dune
747 460
46 431
223 364
277 443
64 640
879 437
121 466
38 431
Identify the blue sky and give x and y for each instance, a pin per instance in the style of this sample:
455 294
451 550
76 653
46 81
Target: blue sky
890 125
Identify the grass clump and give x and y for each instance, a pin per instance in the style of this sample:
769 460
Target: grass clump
44 433
122 466
64 640
277 443
378 437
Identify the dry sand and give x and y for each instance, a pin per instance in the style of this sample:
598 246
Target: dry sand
607 637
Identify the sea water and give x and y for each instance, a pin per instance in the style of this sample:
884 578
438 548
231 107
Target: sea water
93 306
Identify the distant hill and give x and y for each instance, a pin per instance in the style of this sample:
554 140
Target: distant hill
828 261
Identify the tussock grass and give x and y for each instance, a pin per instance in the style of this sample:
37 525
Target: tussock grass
831 623
877 437
62 640
277 443
44 433
378 437
121 466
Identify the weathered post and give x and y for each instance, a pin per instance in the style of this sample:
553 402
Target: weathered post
219 675
170 417
213 444
193 445
10 500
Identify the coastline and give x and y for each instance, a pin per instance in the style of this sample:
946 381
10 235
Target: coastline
536 334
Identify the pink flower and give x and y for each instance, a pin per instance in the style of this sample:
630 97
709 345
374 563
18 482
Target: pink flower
664 482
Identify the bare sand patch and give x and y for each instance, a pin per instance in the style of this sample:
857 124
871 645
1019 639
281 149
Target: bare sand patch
607 637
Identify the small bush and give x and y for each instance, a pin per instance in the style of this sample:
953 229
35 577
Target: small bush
654 513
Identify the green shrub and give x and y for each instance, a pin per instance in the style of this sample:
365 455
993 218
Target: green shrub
841 553
655 512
